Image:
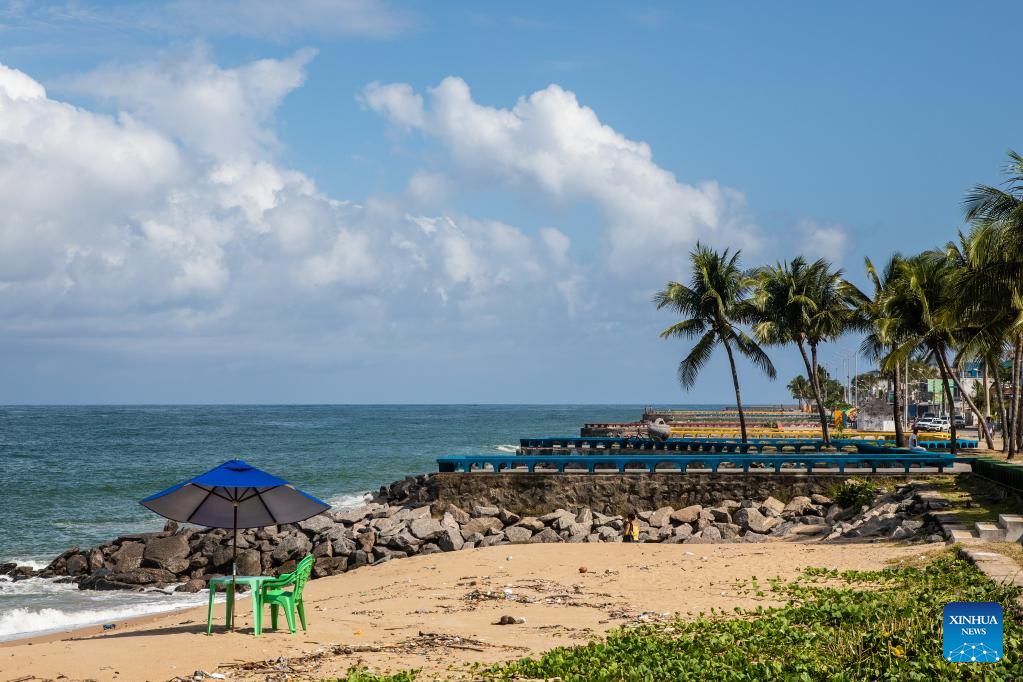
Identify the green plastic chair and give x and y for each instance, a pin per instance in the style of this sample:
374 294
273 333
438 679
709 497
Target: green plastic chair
271 594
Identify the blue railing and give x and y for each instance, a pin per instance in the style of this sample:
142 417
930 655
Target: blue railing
592 444
624 462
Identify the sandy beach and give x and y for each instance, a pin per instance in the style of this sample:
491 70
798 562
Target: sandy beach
440 612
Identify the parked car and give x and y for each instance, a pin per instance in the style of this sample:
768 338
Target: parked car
959 422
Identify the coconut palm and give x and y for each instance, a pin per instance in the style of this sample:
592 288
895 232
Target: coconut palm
799 389
713 306
803 304
997 218
883 331
920 297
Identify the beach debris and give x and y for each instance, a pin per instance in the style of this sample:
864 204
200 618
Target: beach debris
583 569
511 620
109 626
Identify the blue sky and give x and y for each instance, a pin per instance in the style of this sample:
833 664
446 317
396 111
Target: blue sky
369 201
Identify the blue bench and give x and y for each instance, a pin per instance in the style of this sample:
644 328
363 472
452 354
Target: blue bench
903 459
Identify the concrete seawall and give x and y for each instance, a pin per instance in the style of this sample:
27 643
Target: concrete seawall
540 493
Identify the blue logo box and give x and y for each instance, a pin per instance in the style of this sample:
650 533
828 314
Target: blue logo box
972 632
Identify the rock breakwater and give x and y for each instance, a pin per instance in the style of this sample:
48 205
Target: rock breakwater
396 526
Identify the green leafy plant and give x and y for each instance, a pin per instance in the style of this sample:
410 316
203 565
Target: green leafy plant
854 493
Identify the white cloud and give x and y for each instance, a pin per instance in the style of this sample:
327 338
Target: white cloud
215 111
550 143
822 240
146 224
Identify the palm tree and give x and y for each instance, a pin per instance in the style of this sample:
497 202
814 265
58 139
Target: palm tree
882 330
997 218
712 307
799 388
804 304
919 300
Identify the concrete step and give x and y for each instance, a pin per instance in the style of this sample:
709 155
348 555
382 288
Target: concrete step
962 536
990 532
1013 525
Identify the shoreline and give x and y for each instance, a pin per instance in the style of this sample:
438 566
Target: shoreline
380 615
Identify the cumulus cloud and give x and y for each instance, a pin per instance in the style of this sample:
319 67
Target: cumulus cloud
146 223
220 112
549 142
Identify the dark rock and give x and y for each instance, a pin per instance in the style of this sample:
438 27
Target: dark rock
534 525
358 558
330 566
323 549
545 536
481 511
482 525
96 560
750 519
8 568
429 548
366 540
128 557
142 576
517 534
508 518
171 527
425 529
249 563
193 585
687 515
77 564
169 553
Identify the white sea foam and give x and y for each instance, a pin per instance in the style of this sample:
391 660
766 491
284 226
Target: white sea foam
37 606
347 501
512 449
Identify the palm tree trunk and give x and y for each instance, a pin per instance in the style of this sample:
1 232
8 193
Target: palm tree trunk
826 424
982 428
940 356
738 395
1002 415
811 370
1017 398
900 434
987 390
1012 425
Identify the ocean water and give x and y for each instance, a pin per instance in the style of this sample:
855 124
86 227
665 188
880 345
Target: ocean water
74 475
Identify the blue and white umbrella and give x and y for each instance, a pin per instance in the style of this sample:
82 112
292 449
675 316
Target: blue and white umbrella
235 495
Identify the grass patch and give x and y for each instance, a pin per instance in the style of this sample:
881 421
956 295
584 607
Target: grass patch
975 499
362 674
853 625
883 625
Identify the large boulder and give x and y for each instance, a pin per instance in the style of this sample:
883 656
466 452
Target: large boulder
170 553
772 507
292 545
481 511
797 506
143 576
750 519
661 517
248 562
450 539
687 515
316 524
532 523
555 515
77 564
545 536
128 557
482 525
426 529
517 534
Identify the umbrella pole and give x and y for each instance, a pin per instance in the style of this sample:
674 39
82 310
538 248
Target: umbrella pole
234 564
